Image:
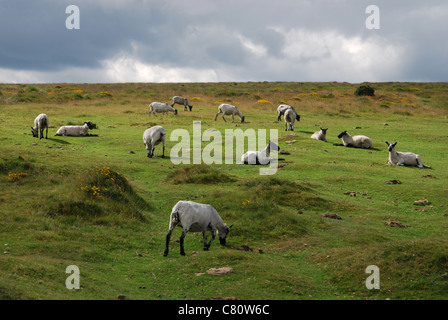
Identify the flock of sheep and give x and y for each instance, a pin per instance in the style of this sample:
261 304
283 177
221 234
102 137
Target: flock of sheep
197 217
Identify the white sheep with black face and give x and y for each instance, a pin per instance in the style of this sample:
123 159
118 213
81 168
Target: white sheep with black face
182 101
355 141
403 158
320 135
164 108
259 157
290 117
196 217
40 123
282 109
152 137
228 109
76 131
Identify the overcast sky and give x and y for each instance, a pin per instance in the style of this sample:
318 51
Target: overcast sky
223 40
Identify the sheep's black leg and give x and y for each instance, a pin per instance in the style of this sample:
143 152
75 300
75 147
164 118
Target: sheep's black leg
46 134
163 152
182 237
211 240
168 238
204 235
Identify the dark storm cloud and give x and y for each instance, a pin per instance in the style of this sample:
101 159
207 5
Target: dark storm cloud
236 40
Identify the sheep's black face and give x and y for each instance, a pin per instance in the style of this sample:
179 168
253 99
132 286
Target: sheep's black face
342 134
391 146
175 112
222 240
34 132
242 119
324 131
191 107
298 117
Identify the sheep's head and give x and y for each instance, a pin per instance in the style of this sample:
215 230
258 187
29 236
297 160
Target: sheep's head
342 134
298 117
391 146
175 112
324 131
89 124
34 132
242 118
223 235
190 106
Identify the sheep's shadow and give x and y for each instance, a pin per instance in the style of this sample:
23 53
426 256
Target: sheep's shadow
341 145
58 141
307 132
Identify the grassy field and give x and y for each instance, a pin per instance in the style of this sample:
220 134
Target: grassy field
99 203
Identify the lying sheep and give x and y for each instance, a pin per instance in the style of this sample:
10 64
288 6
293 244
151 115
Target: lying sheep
403 158
228 109
164 108
152 137
282 109
40 123
259 157
76 131
355 141
182 101
196 217
320 135
290 117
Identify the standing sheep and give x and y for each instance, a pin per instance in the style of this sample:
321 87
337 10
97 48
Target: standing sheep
355 141
320 135
182 101
152 137
228 109
164 108
196 217
290 117
282 109
403 158
40 123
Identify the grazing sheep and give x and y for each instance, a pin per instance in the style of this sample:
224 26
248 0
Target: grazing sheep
161 107
355 141
282 109
40 123
404 158
290 117
259 157
228 109
196 217
76 131
152 137
320 135
181 101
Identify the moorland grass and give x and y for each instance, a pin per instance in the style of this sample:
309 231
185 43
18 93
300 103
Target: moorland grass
59 213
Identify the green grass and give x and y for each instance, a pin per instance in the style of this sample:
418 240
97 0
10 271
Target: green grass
91 202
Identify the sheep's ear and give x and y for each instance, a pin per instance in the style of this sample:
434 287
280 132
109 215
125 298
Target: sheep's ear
387 143
395 144
230 226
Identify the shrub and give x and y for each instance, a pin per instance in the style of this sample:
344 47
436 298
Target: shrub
365 90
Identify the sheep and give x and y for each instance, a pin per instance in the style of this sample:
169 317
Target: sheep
76 131
320 135
40 123
290 117
259 157
282 109
196 217
403 158
228 109
355 141
161 107
181 101
152 137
